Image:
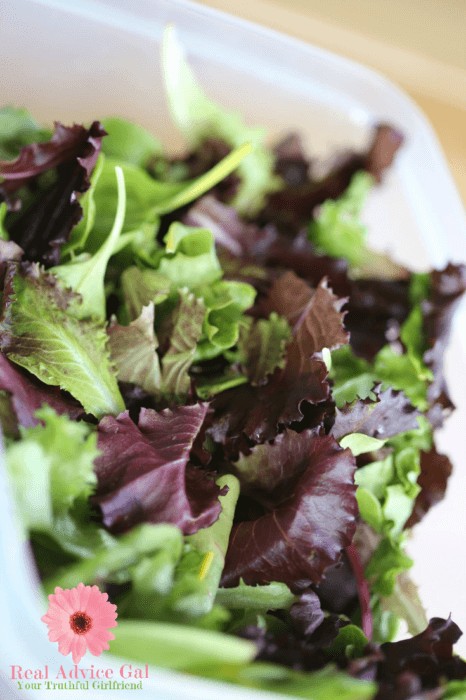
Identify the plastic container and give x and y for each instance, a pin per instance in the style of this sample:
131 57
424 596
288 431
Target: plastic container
80 61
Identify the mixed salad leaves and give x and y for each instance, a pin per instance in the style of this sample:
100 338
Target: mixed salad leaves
218 403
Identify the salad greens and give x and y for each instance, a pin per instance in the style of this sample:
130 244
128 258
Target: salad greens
218 404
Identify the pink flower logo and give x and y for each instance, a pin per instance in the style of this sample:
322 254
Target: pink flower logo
78 619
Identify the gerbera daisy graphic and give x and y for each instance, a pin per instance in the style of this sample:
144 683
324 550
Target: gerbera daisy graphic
78 619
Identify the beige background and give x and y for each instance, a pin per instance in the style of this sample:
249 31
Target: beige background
418 44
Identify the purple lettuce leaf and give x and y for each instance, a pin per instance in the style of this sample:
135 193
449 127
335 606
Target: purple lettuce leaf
274 463
288 296
46 224
27 394
376 310
306 614
435 472
320 324
291 161
447 287
428 657
292 207
233 234
258 412
296 649
144 474
391 413
300 256
301 536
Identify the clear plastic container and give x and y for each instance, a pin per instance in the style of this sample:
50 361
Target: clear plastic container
80 61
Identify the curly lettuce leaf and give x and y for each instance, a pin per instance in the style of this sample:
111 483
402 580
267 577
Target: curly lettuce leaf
389 414
273 464
80 233
141 287
38 333
133 349
197 117
190 261
226 302
46 224
354 377
427 657
435 471
258 412
315 314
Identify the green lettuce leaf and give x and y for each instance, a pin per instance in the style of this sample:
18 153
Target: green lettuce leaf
18 129
51 467
114 561
455 690
191 590
226 303
198 117
141 287
38 333
360 443
405 604
190 261
209 386
337 230
179 647
388 561
386 493
349 643
86 277
187 331
80 233
3 212
133 350
212 542
327 684
146 198
273 596
352 377
128 142
262 347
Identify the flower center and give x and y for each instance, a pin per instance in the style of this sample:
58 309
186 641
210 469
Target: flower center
80 622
